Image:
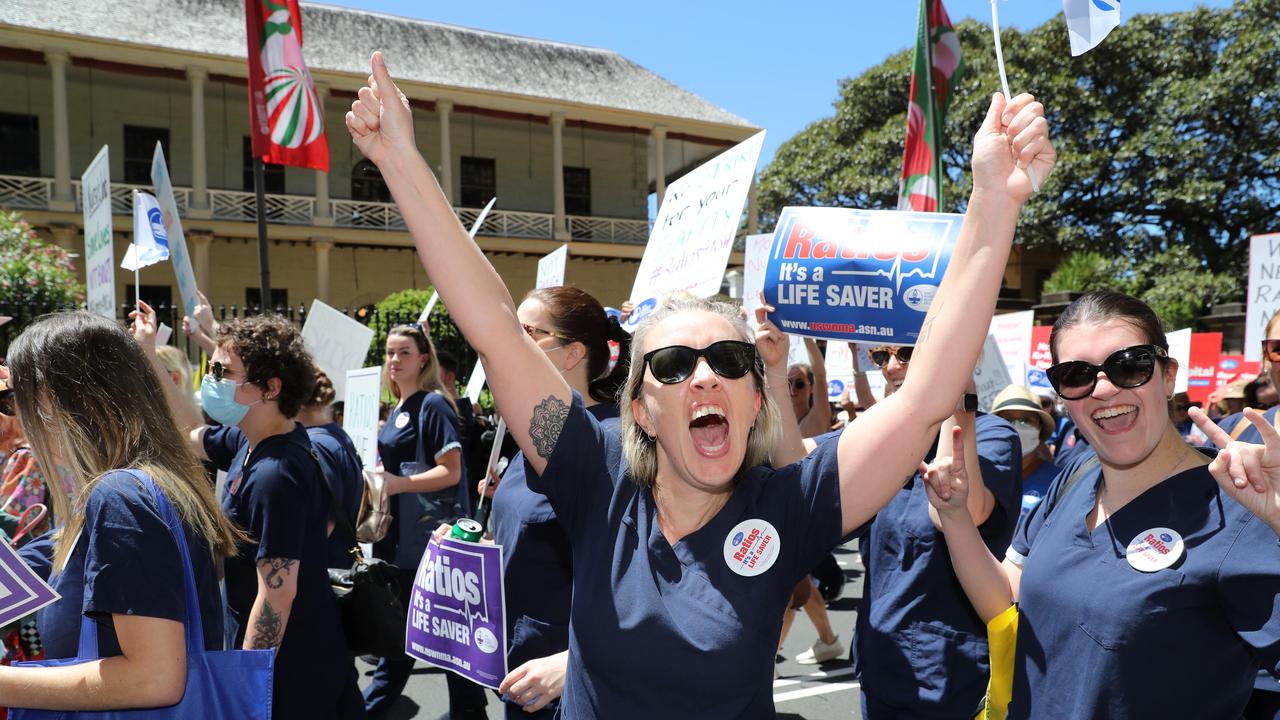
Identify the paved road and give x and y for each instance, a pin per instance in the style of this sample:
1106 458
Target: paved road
803 692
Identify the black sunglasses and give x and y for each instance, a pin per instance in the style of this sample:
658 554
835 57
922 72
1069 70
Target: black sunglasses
728 358
798 384
1129 367
218 370
881 356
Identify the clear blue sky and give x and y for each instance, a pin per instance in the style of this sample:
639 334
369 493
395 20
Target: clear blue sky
778 69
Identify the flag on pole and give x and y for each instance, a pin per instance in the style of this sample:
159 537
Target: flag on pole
1089 22
285 119
150 243
938 65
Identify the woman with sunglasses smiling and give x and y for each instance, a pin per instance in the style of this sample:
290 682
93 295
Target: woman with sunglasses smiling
1148 586
685 555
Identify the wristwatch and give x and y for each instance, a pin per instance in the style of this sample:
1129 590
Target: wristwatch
968 403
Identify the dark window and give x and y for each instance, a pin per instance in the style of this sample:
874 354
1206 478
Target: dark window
272 174
577 191
279 298
139 148
479 181
159 297
367 183
20 138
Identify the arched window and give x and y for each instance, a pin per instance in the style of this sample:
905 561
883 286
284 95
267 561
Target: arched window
367 183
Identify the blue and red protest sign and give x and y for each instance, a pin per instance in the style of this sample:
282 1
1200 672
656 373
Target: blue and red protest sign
457 617
866 276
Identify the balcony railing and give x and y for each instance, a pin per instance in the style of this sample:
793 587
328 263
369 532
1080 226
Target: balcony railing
35 193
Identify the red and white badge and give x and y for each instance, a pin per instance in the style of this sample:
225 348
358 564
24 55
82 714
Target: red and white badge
751 547
1155 549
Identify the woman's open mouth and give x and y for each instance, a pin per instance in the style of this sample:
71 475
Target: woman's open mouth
710 431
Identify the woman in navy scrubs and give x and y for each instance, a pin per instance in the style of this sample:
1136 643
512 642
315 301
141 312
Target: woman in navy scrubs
338 459
1148 584
685 556
421 465
91 398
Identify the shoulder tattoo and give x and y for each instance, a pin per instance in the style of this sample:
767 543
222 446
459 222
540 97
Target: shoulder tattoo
546 424
276 569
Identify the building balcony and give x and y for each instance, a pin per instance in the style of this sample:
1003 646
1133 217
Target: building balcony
35 193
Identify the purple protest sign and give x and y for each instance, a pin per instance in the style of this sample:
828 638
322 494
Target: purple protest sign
457 612
22 592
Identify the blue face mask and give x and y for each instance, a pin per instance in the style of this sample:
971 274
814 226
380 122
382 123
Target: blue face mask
218 397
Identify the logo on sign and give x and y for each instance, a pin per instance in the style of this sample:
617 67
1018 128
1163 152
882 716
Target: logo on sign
1229 364
920 297
642 310
835 387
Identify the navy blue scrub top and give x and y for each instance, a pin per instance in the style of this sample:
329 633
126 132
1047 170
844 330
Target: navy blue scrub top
420 430
126 562
341 465
274 494
537 558
1098 638
919 644
671 631
1035 485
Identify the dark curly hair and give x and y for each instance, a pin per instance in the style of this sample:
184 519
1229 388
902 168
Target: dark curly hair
271 347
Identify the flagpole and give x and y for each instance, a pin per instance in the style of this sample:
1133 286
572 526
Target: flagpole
1004 80
137 254
264 267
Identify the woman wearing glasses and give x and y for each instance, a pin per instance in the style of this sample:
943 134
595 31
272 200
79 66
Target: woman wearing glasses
685 555
1145 588
422 466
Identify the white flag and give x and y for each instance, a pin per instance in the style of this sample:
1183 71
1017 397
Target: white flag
1089 22
150 243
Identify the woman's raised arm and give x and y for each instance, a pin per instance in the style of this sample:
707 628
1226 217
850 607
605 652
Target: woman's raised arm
532 397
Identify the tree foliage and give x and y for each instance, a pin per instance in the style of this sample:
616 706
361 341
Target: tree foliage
1168 135
36 277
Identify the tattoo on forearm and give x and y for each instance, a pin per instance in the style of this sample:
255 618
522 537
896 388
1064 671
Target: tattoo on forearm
268 628
277 569
546 424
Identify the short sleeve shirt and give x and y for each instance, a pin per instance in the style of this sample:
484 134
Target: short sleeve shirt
1184 641
275 495
423 428
126 562
674 631
920 646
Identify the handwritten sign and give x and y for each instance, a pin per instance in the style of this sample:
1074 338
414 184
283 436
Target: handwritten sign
756 258
1013 334
178 254
861 275
360 412
1264 291
22 592
693 234
337 343
457 610
551 267
99 253
992 375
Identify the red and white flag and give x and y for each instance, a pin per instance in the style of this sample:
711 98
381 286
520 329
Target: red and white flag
285 120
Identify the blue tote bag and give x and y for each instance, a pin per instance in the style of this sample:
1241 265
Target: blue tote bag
221 684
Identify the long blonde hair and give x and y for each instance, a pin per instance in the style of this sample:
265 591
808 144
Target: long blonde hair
641 451
89 399
429 375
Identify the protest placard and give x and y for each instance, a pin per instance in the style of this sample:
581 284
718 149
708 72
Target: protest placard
992 375
797 353
457 610
1013 333
551 267
163 333
178 254
756 258
1180 350
839 362
337 343
1038 381
1232 368
861 275
360 411
99 253
1264 291
22 592
1040 356
693 235
476 382
1205 349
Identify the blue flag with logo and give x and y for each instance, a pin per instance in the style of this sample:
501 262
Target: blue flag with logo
866 276
150 243
1089 22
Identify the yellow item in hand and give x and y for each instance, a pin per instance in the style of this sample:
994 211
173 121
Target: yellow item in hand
1002 636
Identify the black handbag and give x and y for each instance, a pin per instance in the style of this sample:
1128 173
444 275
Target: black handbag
368 594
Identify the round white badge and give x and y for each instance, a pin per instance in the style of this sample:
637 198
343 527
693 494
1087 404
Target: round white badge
751 547
402 420
1155 549
486 641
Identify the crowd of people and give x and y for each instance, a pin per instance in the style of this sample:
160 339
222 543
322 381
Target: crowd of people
632 484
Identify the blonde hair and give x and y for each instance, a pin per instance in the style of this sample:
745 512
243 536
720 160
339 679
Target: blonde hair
638 449
175 361
88 397
429 374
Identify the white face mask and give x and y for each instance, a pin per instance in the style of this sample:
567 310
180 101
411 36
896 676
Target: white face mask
1029 434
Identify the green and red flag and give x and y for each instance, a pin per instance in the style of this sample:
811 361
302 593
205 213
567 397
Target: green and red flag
286 123
937 67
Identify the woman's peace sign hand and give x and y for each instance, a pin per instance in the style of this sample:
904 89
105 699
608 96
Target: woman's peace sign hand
1248 472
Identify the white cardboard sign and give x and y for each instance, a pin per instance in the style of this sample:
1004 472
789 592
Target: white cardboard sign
756 259
839 362
1012 332
551 268
1180 350
360 411
99 253
178 254
476 382
337 343
991 376
1264 291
